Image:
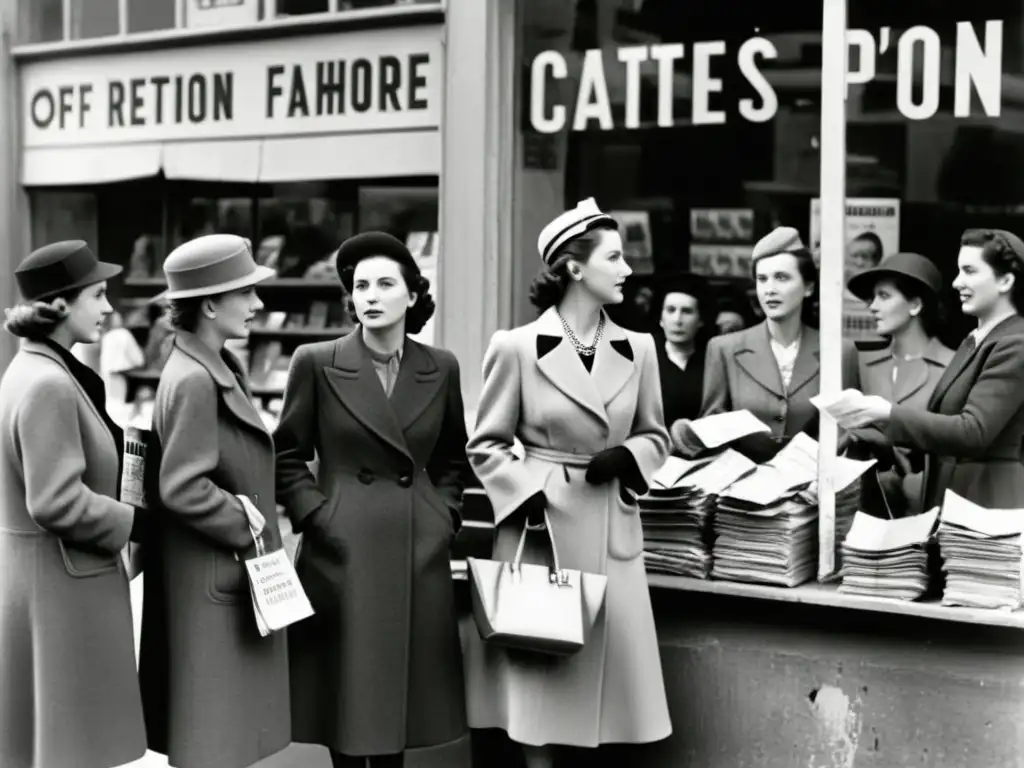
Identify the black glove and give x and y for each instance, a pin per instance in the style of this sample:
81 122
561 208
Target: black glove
616 463
758 447
533 508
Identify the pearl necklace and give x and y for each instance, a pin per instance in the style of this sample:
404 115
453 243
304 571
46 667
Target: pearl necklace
581 348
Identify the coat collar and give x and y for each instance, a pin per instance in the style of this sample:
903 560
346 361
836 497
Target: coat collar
38 348
753 353
914 374
614 364
1008 327
354 381
233 384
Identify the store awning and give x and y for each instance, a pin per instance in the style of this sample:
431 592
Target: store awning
300 158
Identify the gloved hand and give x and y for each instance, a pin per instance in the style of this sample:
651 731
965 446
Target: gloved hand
533 509
615 464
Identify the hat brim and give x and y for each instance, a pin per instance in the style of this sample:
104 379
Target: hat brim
862 285
257 276
102 271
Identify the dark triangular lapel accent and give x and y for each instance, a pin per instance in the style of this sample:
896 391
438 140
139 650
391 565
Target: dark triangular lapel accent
354 382
564 369
613 362
756 359
418 385
545 344
807 362
623 347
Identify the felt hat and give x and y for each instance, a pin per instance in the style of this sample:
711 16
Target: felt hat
568 225
779 240
211 264
912 266
60 267
366 245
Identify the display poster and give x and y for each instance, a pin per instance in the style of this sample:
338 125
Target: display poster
720 241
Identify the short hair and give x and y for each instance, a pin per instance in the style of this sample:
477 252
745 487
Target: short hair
549 286
1001 255
809 274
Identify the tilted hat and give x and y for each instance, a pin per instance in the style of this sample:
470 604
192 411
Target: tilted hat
573 223
211 264
909 265
779 240
60 267
366 245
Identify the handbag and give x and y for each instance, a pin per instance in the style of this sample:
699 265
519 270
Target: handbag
278 599
543 608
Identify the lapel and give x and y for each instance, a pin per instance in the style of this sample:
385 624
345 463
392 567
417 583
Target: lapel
355 384
233 394
418 385
913 377
36 348
960 361
876 372
753 354
807 359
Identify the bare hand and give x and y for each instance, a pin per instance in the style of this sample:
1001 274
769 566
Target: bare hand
864 411
684 440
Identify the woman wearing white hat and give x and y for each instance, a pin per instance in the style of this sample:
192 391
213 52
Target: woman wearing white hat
215 693
583 397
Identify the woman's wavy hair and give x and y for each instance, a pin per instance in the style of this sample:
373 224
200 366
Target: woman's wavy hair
418 314
549 286
37 320
808 272
999 254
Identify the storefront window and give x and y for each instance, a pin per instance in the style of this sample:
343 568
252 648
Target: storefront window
150 15
301 224
61 214
206 209
94 18
40 21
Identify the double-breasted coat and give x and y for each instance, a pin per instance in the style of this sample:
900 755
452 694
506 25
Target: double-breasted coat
215 693
378 669
537 390
973 427
69 695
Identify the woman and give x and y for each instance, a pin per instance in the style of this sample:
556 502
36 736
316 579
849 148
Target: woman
215 692
377 672
973 425
903 296
770 369
581 394
681 351
69 695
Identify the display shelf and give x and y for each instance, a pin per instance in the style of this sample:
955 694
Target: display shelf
149 377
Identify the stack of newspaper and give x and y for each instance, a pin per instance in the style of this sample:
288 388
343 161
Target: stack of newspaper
887 558
676 512
981 554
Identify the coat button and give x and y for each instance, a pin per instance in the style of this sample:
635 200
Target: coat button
405 481
365 476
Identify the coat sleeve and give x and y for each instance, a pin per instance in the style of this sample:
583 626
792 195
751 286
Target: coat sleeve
187 429
53 461
649 440
448 463
506 481
297 490
717 398
997 394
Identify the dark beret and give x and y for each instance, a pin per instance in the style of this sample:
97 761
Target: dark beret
683 282
367 245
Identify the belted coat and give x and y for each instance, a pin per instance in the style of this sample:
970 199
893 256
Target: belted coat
537 390
69 695
378 669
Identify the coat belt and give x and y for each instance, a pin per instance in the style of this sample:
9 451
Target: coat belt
558 457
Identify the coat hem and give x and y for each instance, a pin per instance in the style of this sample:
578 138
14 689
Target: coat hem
588 744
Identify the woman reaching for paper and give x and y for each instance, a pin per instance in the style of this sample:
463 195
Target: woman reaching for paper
973 425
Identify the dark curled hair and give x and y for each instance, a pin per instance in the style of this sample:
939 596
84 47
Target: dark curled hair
549 286
36 321
932 313
808 272
999 254
183 314
418 314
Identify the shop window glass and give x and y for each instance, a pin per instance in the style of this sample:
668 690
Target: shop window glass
131 227
199 210
301 225
40 21
150 15
94 18
59 214
301 7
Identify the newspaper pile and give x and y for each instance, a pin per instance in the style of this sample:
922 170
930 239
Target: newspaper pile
887 558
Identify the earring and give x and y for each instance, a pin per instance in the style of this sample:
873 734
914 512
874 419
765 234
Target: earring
915 312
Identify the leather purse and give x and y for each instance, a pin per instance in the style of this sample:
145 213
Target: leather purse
542 608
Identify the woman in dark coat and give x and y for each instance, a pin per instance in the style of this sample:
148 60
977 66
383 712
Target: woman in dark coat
215 692
680 345
69 695
377 672
973 426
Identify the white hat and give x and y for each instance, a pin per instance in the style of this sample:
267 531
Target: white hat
568 225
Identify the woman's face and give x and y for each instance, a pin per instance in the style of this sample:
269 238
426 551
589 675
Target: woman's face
379 293
981 289
892 310
780 288
233 312
729 322
606 269
680 318
87 314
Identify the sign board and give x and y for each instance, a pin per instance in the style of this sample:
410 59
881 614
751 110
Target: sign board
367 81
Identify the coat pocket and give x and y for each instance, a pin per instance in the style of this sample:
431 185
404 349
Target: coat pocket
81 563
227 577
625 535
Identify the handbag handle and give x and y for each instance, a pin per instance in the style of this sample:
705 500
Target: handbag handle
518 561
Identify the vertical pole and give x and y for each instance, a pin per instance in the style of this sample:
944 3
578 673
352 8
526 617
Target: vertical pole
833 236
122 17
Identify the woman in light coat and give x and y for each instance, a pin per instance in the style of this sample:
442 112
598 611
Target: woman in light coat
69 695
215 691
582 396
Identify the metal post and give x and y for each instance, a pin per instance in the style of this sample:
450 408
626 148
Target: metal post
833 229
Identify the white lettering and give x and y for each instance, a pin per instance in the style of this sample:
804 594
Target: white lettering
666 55
592 102
632 56
555 62
862 41
750 51
931 52
704 84
982 68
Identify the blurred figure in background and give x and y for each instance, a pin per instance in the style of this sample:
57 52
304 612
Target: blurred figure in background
681 343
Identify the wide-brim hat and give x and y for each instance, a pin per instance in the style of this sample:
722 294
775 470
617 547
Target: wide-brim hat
367 245
59 267
571 224
912 266
210 265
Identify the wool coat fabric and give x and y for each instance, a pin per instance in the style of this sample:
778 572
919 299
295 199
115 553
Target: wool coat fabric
973 427
69 694
378 669
536 390
215 693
